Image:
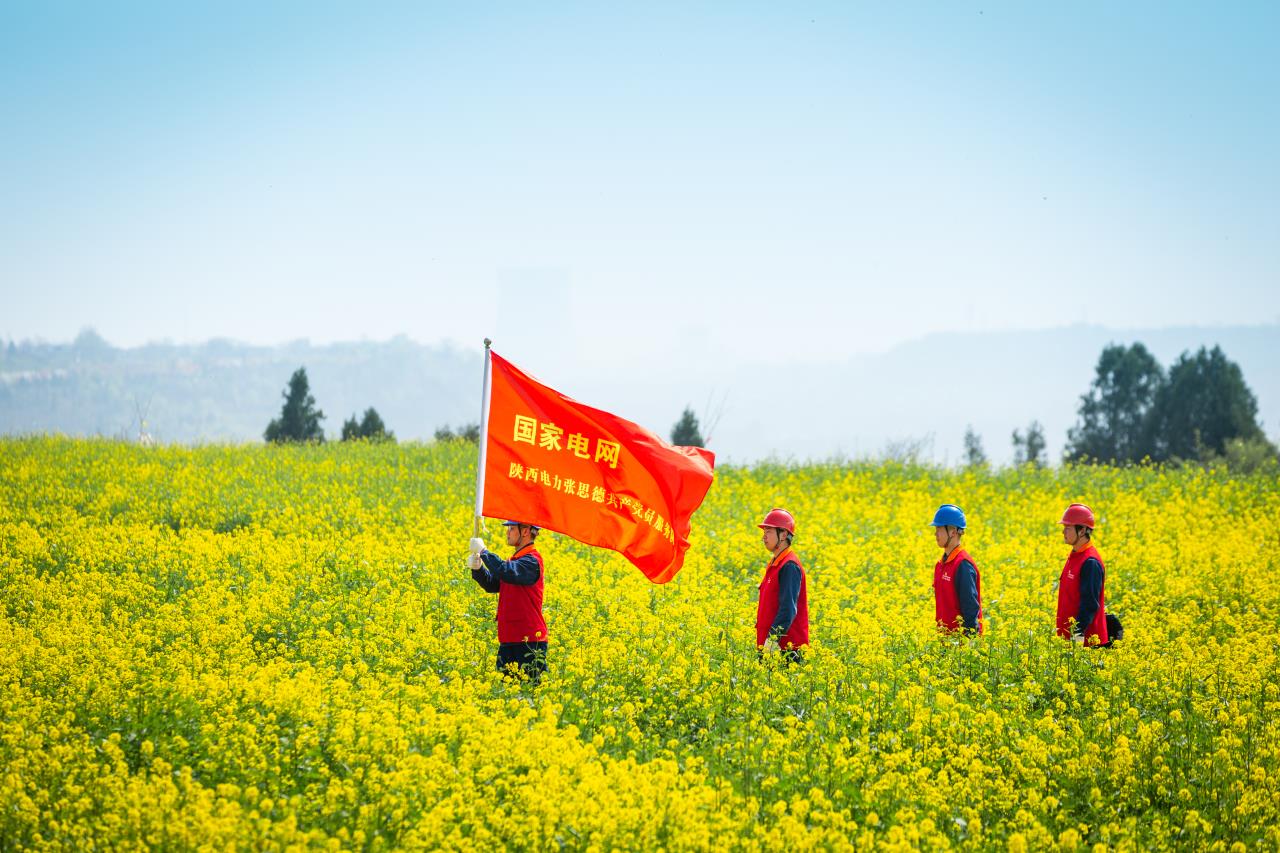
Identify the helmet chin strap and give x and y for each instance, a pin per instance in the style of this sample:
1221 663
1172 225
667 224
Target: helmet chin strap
781 546
953 541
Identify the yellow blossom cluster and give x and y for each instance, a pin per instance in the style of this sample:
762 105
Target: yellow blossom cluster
281 648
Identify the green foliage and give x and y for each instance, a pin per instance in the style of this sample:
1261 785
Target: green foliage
299 418
686 432
1028 449
1250 455
466 432
369 428
1202 411
974 455
1115 415
1204 405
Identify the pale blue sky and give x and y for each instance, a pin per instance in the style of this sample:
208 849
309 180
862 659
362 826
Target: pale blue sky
768 181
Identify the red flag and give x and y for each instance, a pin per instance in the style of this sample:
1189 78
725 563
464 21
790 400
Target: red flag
605 481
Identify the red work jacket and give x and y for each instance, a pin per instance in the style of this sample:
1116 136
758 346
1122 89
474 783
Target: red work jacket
946 604
520 607
1069 597
767 607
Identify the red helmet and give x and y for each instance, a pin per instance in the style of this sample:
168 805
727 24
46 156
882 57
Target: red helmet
779 518
1078 514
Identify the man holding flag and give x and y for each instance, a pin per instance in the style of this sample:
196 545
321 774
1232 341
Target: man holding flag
522 629
562 465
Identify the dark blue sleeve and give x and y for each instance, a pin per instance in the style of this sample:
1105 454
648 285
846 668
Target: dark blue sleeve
486 580
521 572
966 581
788 599
1090 594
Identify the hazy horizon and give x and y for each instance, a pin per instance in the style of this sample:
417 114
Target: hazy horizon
478 345
843 407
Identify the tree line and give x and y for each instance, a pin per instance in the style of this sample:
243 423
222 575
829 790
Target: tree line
1199 410
299 419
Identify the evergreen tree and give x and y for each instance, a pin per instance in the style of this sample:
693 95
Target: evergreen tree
974 455
368 428
372 428
1114 421
686 432
1029 449
1204 404
299 418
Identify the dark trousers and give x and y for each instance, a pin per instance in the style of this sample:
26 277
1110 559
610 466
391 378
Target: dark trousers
530 658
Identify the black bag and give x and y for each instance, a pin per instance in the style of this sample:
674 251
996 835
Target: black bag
1115 631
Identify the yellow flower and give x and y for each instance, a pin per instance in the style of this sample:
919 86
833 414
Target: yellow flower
253 647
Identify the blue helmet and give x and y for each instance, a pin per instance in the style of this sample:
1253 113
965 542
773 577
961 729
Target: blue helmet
518 523
948 515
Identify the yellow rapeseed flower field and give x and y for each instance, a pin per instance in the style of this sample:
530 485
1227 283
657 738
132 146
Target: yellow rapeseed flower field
281 648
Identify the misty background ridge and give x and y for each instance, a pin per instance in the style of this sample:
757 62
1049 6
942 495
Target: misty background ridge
923 392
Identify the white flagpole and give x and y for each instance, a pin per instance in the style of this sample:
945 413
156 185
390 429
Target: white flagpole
484 437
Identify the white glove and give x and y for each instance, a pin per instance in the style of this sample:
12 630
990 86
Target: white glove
477 545
473 562
1077 638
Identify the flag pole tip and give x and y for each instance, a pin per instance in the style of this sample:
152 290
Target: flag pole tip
487 343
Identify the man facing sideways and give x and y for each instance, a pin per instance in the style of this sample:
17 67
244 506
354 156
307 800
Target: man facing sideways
782 613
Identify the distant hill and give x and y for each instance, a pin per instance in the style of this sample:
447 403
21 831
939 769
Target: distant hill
926 389
225 391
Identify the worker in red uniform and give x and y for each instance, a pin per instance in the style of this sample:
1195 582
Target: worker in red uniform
522 630
1082 610
957 585
782 613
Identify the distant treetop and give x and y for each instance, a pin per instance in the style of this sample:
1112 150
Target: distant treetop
369 428
299 418
686 432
